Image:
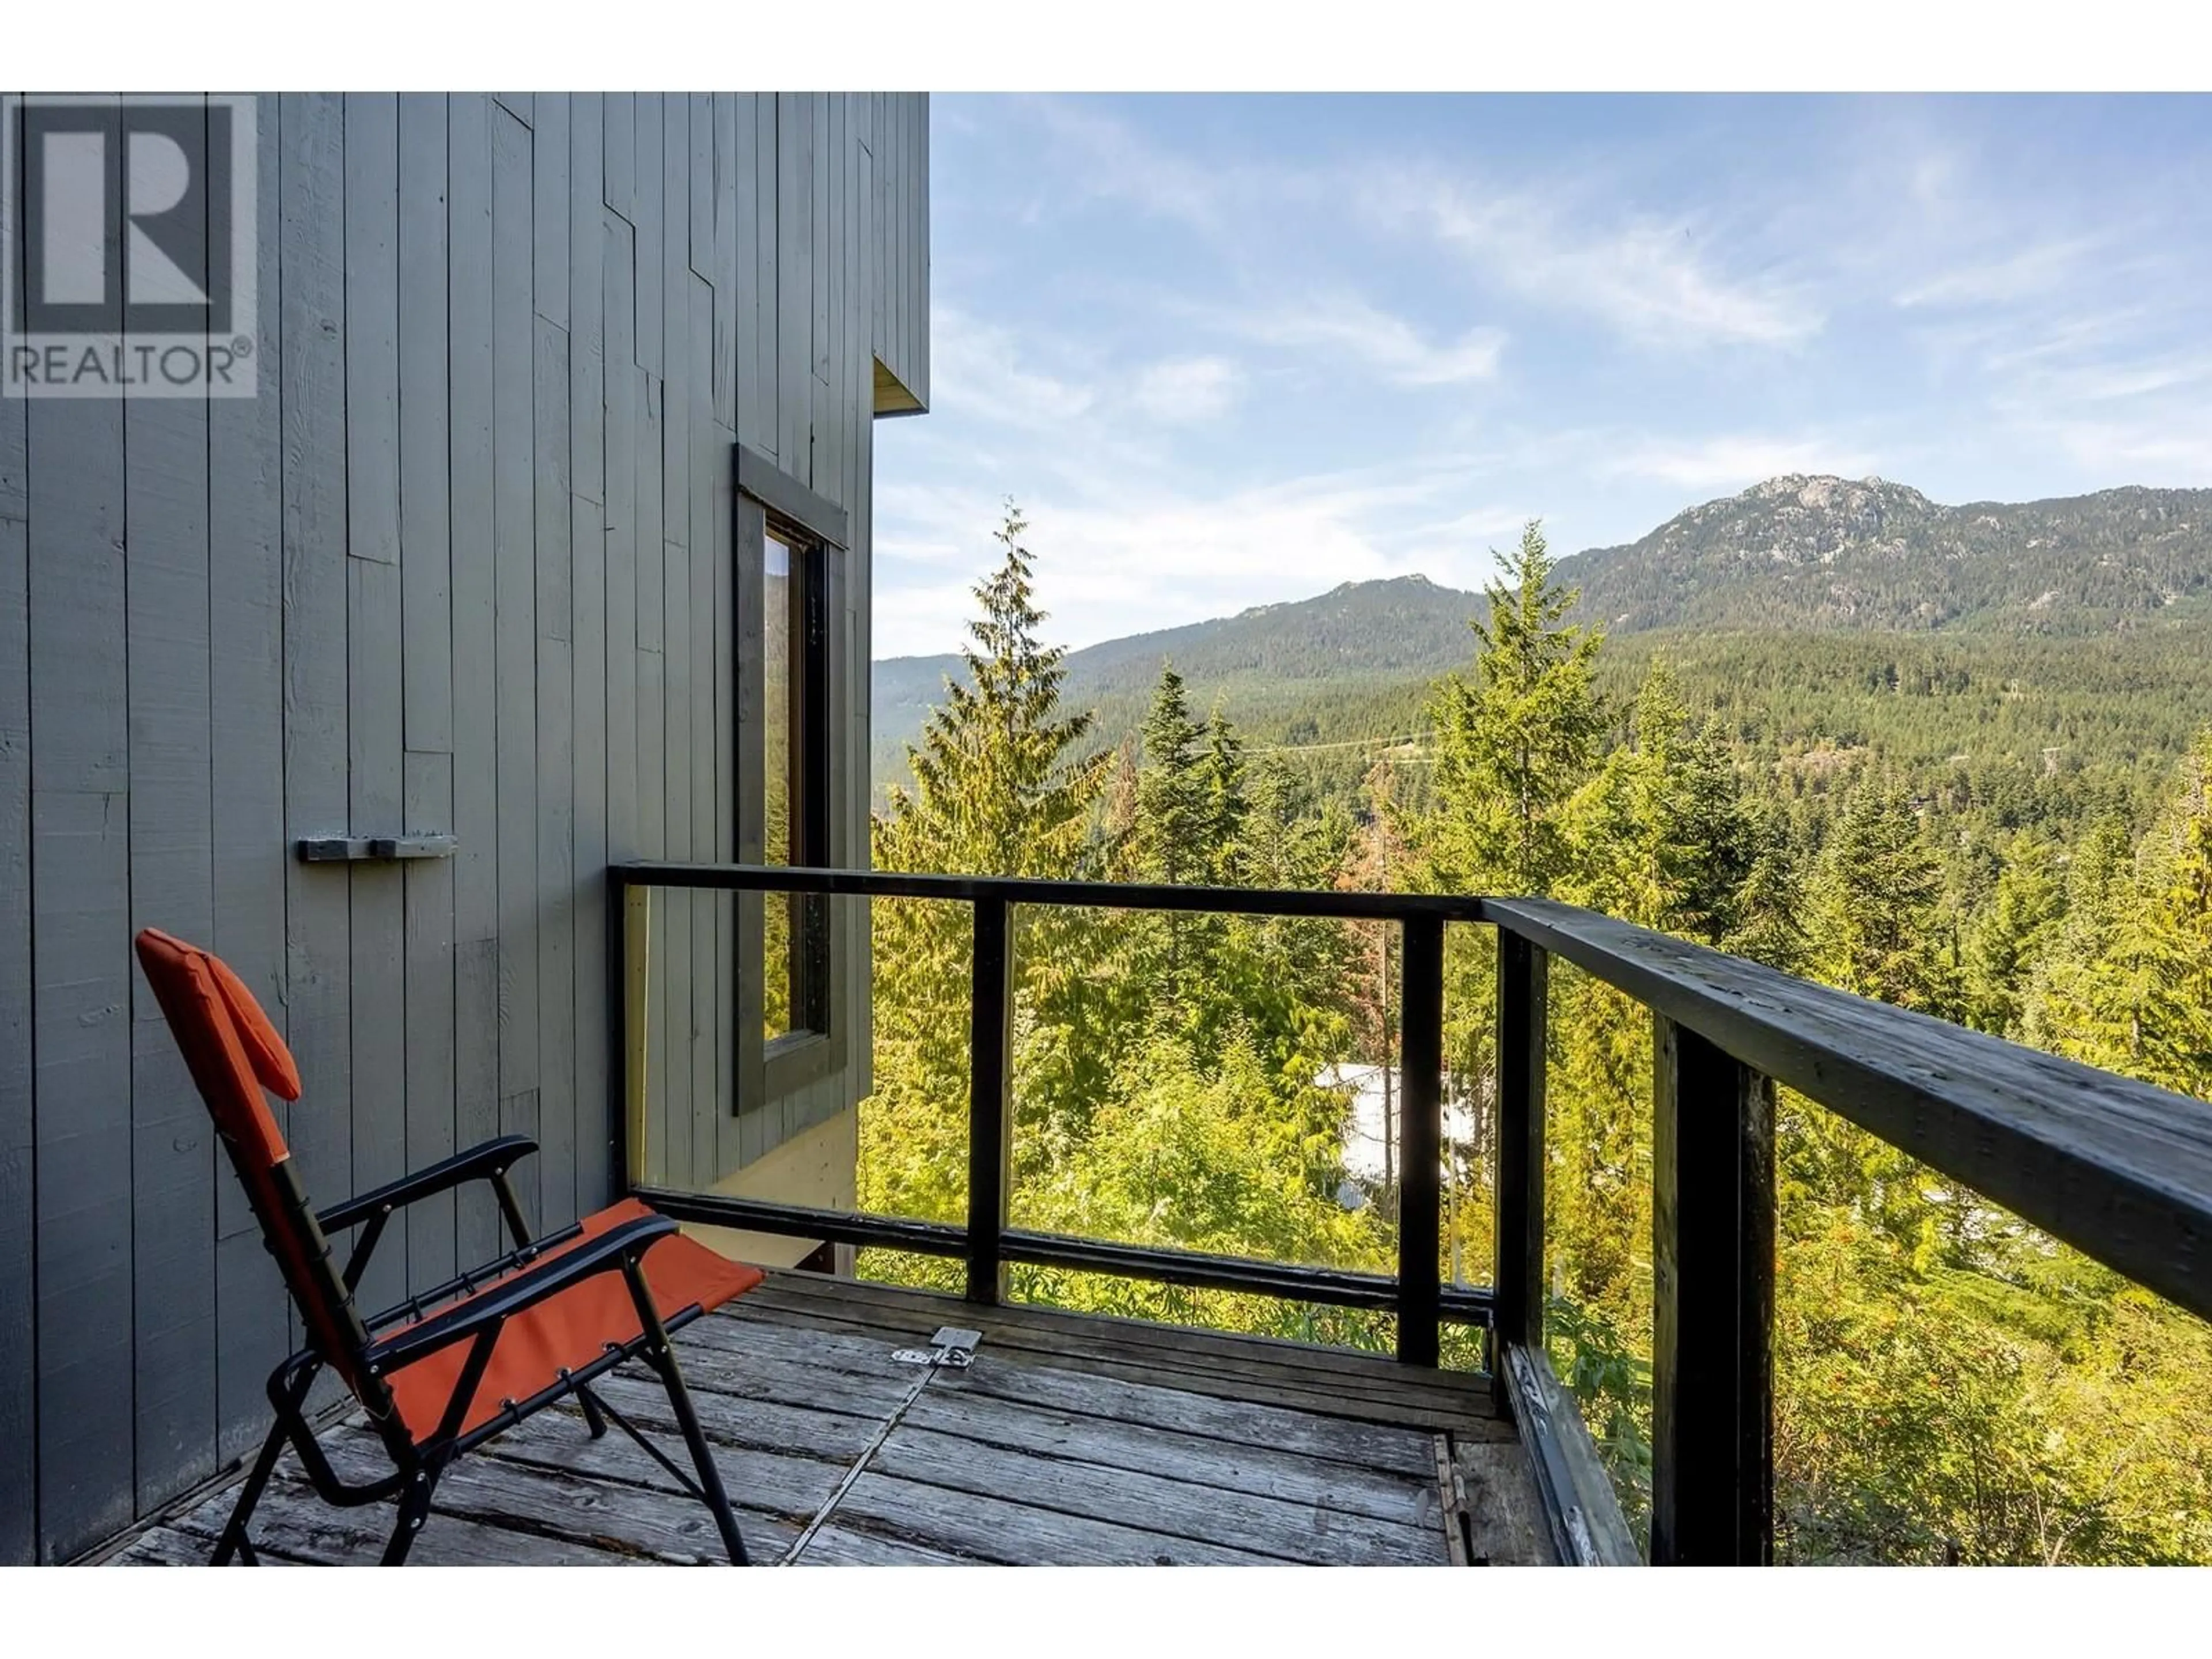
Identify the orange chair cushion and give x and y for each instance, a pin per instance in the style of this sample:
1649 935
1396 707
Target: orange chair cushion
233 1053
271 1060
565 1332
229 1045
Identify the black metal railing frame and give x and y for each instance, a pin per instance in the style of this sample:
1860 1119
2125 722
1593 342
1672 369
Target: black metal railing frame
986 1240
2117 1169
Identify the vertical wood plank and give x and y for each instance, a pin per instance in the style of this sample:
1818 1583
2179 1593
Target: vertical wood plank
919 276
317 726
19 1376
80 967
728 968
1523 981
652 750
514 606
375 772
651 293
246 693
879 165
619 128
725 110
861 1053
172 852
587 635
1713 1365
555 900
471 401
733 119
549 182
698 143
821 227
624 393
895 233
681 1082
767 434
427 626
709 1012
753 407
832 431
425 450
430 992
794 252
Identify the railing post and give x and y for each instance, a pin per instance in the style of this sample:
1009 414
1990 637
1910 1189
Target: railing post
990 1098
1523 971
1713 1365
1421 1054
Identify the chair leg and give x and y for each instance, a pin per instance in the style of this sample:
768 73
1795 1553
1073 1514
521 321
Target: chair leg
233 1539
703 1456
414 1511
595 1419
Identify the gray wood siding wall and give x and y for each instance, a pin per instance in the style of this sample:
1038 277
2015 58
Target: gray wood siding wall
464 565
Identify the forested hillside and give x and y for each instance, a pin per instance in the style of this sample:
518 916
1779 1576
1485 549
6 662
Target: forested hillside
1809 611
2009 830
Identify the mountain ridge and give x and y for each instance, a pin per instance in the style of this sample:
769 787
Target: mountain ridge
1824 552
1801 553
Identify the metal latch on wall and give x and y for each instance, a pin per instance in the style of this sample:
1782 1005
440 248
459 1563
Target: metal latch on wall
358 849
951 1347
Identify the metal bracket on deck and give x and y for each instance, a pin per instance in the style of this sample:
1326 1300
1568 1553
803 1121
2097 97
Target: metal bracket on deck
950 1346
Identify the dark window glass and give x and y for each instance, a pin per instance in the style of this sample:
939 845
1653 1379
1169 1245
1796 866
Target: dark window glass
794 754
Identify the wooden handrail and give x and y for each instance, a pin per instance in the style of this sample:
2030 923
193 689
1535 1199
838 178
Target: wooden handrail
2119 1170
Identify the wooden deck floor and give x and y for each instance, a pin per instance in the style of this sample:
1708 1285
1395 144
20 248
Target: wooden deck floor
1071 1439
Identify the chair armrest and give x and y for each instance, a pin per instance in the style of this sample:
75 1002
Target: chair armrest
492 1158
607 1253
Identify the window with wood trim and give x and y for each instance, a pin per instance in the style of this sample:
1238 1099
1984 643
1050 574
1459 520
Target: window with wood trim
790 553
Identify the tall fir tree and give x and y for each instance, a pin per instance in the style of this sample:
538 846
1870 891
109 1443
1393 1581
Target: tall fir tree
1877 902
1175 804
1225 804
1517 739
1002 787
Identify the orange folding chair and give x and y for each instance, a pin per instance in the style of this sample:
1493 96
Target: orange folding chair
456 1364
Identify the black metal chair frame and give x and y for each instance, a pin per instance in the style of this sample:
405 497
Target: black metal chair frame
496 1293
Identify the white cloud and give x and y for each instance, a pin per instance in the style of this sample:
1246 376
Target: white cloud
1111 160
1723 462
2018 276
981 369
1186 390
1346 326
2171 447
1130 562
1650 279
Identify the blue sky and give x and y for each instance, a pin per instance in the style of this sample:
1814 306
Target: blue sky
1231 350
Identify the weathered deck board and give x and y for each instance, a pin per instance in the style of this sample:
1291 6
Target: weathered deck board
1183 1508
1034 1454
1185 1344
1345 1384
1016 1426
